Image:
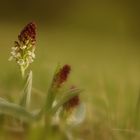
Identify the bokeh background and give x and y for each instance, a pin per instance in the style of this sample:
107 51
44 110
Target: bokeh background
99 39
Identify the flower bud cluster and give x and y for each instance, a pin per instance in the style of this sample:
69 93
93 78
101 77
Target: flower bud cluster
23 50
61 76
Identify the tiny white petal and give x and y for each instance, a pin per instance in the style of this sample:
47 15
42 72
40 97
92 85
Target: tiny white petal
33 55
13 53
18 55
29 53
14 48
23 47
30 59
21 62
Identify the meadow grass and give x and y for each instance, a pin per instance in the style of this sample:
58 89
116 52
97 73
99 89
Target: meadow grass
106 68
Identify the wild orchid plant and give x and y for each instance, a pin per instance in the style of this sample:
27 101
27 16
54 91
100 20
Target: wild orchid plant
65 108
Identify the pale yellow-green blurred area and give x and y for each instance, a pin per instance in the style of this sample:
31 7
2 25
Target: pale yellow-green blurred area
99 39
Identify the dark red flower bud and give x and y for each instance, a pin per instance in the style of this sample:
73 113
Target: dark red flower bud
28 34
72 103
61 76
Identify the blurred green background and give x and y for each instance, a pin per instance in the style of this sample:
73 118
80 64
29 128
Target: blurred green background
99 39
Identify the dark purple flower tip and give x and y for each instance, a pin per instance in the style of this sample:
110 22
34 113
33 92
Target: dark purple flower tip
62 75
28 34
64 72
72 103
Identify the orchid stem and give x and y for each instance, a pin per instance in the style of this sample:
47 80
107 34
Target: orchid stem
22 71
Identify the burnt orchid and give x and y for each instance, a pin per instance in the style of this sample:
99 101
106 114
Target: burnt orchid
66 106
23 49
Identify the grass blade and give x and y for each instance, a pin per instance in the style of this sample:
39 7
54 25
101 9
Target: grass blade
15 111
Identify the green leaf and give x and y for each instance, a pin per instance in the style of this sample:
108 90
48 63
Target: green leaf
68 95
15 111
25 100
51 93
49 100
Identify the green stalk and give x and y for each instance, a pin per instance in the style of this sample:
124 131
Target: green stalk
22 71
26 96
